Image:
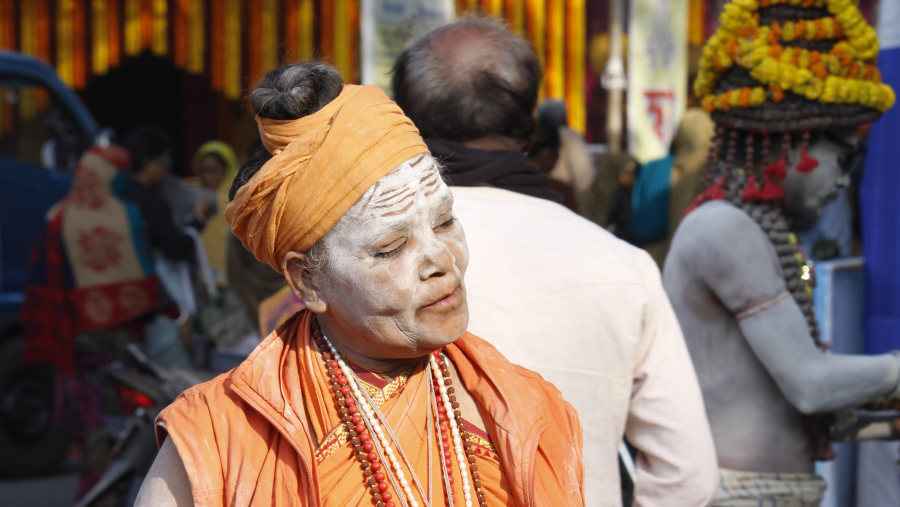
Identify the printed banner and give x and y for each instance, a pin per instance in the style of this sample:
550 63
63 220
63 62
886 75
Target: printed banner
657 75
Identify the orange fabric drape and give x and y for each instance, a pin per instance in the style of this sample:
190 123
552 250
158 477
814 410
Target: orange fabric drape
342 39
298 30
556 30
145 23
64 20
42 22
232 54
254 42
236 41
28 28
535 12
99 37
160 27
307 34
492 7
132 27
576 40
79 44
290 12
696 22
269 23
8 24
114 23
180 34
515 16
554 71
346 39
217 44
326 30
196 37
27 44
262 39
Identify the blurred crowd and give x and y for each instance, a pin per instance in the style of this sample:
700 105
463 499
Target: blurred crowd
142 251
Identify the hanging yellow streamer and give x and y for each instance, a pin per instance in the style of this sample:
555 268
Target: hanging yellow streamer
232 61
515 16
341 40
576 33
64 66
196 36
160 27
28 28
269 35
536 12
555 72
696 19
305 29
28 44
132 27
5 27
100 43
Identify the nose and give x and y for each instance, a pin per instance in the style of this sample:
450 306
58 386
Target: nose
437 259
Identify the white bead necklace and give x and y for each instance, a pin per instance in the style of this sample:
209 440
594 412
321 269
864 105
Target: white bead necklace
454 430
371 418
384 436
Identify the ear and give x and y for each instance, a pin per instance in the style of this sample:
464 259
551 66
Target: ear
303 283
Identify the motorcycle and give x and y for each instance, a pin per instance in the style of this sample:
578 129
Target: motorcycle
148 386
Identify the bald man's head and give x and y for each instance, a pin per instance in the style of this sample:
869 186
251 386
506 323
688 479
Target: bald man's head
469 80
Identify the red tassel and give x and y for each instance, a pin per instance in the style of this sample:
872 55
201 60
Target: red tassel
710 194
716 191
700 199
777 171
751 192
771 190
806 163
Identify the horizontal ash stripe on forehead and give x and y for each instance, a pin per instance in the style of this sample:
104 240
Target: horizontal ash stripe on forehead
388 200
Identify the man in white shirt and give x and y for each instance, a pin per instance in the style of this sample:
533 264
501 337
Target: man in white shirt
555 292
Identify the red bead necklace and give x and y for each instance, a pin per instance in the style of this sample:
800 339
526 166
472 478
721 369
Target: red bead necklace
376 474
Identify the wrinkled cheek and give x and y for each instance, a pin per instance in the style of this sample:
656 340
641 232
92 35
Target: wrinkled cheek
461 255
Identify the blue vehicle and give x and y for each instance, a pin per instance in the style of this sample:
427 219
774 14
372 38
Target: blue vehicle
44 127
43 130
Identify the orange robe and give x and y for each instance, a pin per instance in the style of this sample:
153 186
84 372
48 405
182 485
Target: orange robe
267 432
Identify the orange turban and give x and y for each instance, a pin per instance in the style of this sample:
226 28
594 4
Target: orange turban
321 165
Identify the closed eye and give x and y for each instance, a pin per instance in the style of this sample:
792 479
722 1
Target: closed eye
391 249
450 222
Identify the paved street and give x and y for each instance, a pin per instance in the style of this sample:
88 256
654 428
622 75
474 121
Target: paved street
52 491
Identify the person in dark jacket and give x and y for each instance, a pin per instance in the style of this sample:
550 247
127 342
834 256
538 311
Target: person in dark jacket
151 158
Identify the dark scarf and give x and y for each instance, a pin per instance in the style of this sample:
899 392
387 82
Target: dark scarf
506 169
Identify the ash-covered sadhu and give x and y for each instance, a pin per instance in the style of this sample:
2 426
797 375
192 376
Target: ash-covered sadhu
788 84
375 393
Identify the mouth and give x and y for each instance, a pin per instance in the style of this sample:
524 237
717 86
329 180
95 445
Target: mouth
446 302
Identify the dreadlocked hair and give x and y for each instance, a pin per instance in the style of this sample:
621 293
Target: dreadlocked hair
724 171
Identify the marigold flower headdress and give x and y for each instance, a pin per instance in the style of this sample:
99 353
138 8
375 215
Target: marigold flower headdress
786 67
771 60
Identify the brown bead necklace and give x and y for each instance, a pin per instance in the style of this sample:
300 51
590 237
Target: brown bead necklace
371 443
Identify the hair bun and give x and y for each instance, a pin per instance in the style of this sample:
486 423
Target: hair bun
296 90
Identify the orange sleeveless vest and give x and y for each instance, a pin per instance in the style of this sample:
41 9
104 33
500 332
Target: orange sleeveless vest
244 436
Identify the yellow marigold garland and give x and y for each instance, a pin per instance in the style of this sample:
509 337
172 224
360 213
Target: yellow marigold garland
841 76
